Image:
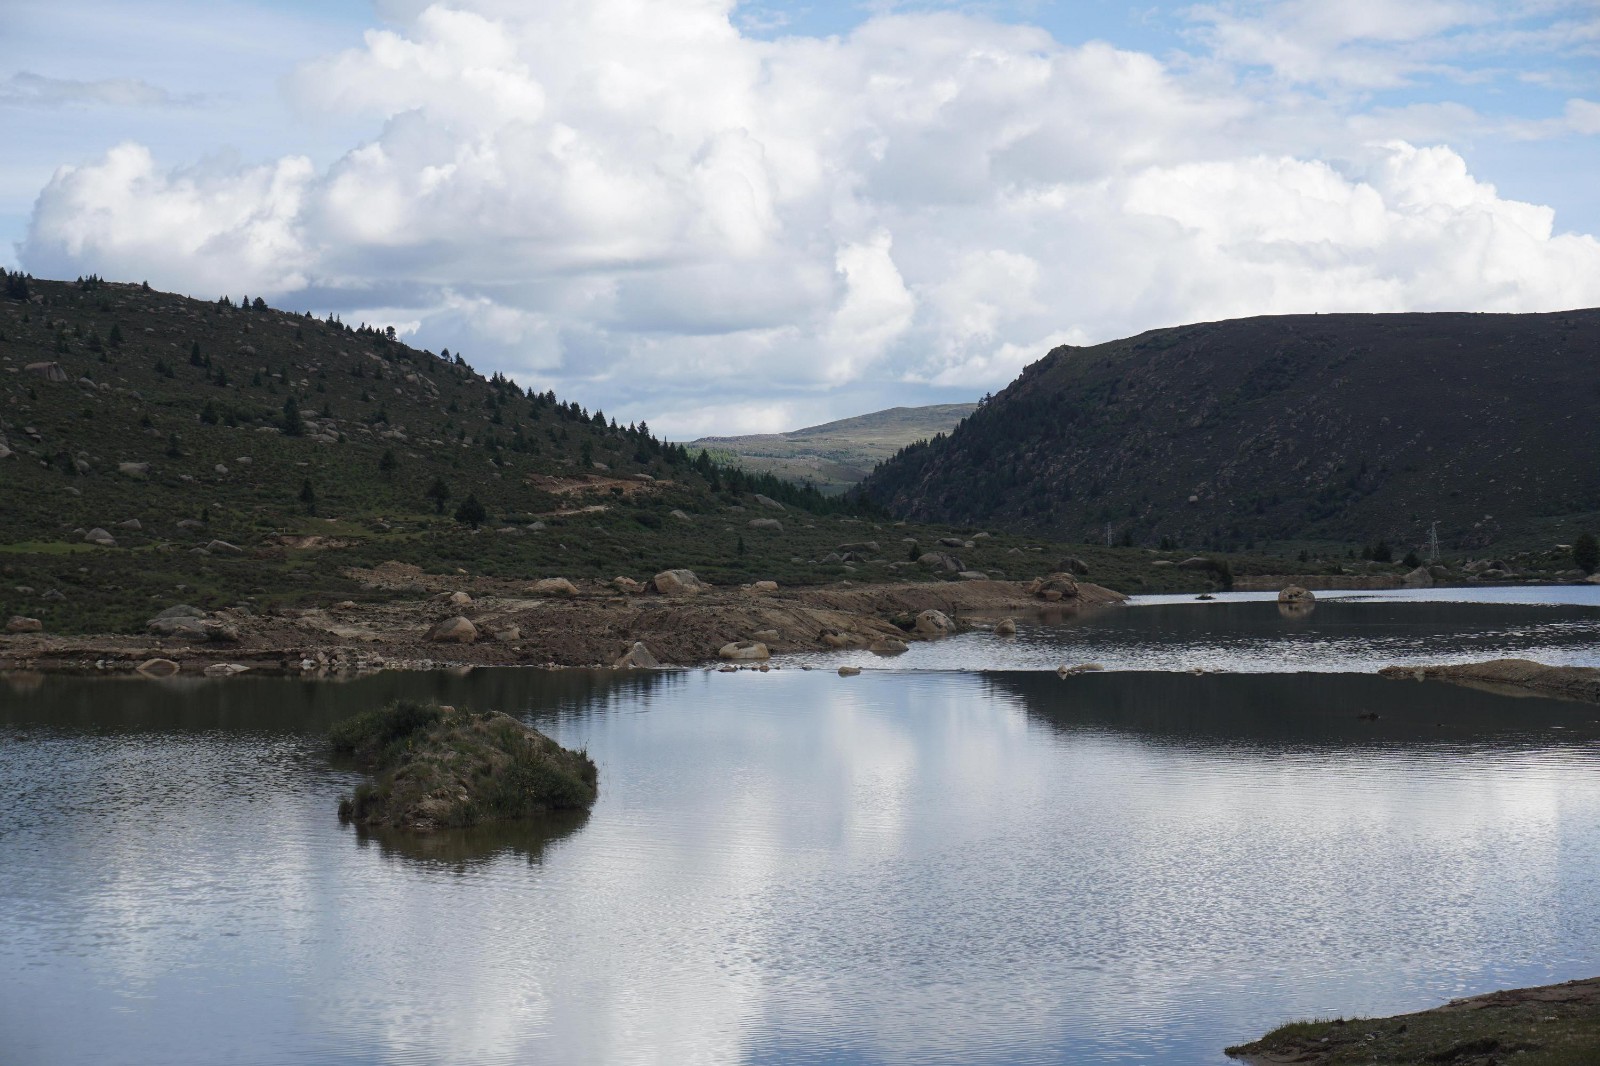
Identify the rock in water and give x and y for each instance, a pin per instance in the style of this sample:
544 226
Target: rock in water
435 767
1296 594
931 623
849 671
889 646
225 670
1006 627
457 630
637 657
157 668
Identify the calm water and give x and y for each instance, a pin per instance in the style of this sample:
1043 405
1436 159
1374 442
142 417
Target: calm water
790 867
1246 631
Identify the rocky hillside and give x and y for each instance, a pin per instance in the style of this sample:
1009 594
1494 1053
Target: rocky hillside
1354 428
836 455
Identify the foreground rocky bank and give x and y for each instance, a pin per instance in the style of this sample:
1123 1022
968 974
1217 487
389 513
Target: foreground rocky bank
437 767
1552 1025
427 621
1514 676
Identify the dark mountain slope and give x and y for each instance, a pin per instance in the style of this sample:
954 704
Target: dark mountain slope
1340 427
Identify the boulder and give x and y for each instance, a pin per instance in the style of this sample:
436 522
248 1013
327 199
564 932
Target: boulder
1073 565
49 371
767 636
627 585
744 649
677 583
100 537
507 634
836 640
932 623
1439 573
1296 594
1419 578
865 547
888 646
1006 627
224 546
224 670
679 515
973 575
22 624
190 523
764 586
637 657
457 599
132 523
157 668
768 502
457 630
952 542
940 561
134 470
849 671
555 586
1062 586
1195 562
766 523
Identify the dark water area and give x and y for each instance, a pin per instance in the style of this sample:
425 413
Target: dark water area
997 867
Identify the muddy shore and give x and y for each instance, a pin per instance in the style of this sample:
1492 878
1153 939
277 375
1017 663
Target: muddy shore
591 627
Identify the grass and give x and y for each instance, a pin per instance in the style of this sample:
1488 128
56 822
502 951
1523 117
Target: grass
437 767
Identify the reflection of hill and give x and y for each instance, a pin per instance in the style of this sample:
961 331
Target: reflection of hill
1290 711
288 705
457 848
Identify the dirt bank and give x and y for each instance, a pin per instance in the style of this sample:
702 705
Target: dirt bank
1553 1025
1514 676
592 626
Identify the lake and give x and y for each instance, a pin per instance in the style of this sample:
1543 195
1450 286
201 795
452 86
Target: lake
912 865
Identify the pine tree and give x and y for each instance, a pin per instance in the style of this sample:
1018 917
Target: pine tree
308 497
1586 553
387 462
438 492
471 512
292 424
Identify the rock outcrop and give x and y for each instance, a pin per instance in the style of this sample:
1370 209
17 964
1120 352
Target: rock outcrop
1524 675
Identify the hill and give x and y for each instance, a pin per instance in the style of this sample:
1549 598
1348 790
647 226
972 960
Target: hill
1350 428
836 455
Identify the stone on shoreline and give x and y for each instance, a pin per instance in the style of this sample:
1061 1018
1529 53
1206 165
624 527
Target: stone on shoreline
744 649
457 630
157 668
637 657
23 624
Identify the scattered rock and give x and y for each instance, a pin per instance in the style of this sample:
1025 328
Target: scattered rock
744 649
225 670
1073 565
157 668
677 583
190 523
457 630
637 657
1195 562
865 547
22 624
940 561
932 623
766 523
555 586
100 537
952 542
973 575
132 523
1006 627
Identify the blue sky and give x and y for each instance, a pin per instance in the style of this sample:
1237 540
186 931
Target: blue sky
732 218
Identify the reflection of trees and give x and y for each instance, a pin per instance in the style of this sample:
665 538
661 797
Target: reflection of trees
460 848
1288 711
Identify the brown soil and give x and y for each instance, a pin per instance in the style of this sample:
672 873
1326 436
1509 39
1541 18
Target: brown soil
1513 676
591 629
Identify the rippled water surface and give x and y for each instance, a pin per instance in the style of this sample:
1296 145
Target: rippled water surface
790 867
1247 631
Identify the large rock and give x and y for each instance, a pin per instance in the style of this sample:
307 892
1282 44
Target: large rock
889 646
677 583
1195 562
637 657
224 546
932 623
132 523
457 599
1057 586
864 547
768 502
225 670
626 585
679 515
1419 578
766 523
764 587
1006 627
555 586
134 470
1296 594
157 668
1073 565
49 371
745 649
457 630
940 561
22 624
100 537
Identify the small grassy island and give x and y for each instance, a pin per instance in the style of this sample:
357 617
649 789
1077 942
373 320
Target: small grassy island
1553 1025
436 767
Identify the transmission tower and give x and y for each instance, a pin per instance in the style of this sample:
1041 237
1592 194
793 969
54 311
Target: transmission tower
1433 543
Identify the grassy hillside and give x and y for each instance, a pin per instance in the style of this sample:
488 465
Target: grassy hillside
1331 428
836 455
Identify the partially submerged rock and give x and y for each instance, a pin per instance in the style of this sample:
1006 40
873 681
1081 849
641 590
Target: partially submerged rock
1296 594
1520 675
1006 627
932 623
637 657
435 767
157 668
745 649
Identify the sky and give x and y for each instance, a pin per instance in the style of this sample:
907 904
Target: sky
728 217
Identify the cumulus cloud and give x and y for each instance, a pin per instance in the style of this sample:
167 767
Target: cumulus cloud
644 206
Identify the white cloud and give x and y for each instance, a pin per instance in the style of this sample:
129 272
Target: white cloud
26 89
640 206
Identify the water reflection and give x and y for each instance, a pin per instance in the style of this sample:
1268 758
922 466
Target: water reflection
460 848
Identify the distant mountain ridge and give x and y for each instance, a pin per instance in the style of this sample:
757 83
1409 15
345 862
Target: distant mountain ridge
1346 427
836 455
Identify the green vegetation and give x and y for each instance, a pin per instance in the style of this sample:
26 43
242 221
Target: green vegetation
1227 436
1557 1025
437 767
1586 553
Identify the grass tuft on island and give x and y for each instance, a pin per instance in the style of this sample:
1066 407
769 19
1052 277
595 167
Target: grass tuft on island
436 767
1552 1025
